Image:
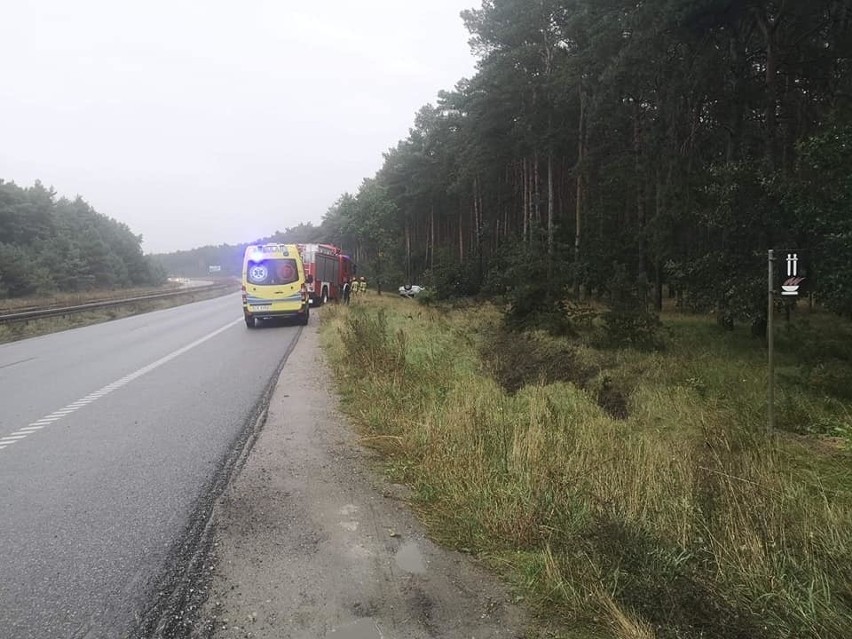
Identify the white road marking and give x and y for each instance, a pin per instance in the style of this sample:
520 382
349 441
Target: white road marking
106 390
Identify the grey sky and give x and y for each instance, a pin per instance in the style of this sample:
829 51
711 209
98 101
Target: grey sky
202 122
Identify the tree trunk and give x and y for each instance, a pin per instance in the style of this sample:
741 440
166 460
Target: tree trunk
735 133
461 235
480 230
407 253
550 212
527 199
536 190
432 238
660 205
769 28
578 203
771 105
505 222
658 286
640 186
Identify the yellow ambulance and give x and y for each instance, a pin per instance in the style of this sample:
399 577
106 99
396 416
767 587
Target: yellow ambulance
274 284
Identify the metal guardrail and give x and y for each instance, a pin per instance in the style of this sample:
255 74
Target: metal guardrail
43 313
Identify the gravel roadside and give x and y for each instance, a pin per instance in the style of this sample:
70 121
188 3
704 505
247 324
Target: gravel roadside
310 542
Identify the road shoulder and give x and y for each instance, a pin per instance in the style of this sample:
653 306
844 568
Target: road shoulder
310 542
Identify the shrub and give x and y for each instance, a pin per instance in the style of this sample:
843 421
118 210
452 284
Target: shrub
639 330
427 297
368 347
629 323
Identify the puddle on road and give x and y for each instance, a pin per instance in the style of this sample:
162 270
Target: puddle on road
366 628
408 558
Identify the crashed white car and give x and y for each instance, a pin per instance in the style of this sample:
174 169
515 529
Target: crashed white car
410 290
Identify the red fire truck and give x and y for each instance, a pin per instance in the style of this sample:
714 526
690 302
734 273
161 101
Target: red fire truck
326 268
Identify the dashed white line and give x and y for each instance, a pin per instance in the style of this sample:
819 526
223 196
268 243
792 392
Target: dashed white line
55 416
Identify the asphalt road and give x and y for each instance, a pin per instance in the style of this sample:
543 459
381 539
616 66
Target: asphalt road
110 437
310 541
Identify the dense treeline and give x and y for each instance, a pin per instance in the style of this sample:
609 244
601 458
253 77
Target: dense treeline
49 245
609 145
229 257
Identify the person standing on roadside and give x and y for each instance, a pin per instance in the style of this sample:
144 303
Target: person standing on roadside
362 286
347 290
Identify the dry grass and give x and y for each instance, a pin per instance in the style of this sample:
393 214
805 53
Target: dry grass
34 328
58 300
683 520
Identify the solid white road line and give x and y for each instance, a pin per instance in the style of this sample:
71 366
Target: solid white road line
21 433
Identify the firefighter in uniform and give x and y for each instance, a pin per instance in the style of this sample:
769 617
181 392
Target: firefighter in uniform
362 286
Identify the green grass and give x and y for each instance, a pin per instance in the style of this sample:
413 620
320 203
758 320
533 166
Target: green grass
678 516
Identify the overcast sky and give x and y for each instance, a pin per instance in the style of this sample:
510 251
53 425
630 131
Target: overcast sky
203 122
